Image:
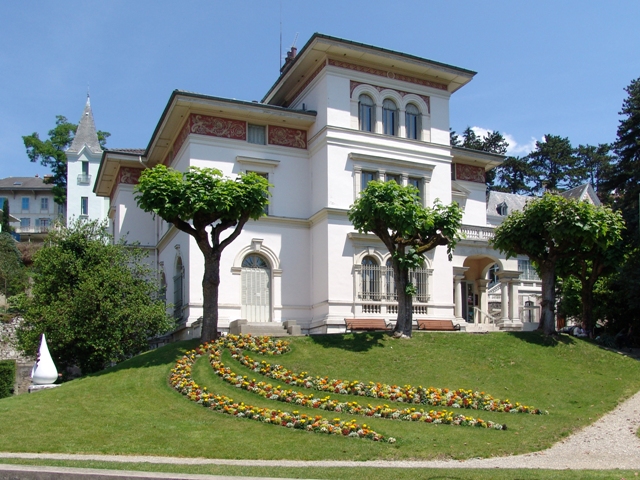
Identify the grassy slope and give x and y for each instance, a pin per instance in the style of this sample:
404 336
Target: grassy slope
131 409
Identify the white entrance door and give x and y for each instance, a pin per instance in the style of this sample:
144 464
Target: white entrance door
256 289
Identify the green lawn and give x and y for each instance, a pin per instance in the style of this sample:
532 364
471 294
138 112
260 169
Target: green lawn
130 409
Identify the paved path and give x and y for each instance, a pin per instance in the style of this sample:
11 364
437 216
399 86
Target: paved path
609 443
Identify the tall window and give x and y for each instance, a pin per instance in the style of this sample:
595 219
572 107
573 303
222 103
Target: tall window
412 122
389 117
366 113
25 204
25 222
393 177
84 205
528 270
256 134
44 224
85 168
178 290
44 204
367 177
266 177
370 288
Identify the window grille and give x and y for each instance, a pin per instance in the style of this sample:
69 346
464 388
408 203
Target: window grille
528 270
378 283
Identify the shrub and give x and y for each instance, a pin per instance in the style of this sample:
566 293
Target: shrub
7 377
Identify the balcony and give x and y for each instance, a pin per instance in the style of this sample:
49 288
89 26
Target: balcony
476 233
84 179
30 229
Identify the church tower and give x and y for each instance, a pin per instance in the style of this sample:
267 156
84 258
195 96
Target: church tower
83 160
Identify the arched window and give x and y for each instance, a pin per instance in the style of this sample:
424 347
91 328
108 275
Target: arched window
366 113
502 209
370 288
389 117
413 122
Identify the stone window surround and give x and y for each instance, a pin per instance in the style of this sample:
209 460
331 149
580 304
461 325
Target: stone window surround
384 165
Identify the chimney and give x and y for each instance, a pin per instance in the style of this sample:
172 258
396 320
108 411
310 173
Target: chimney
37 175
291 55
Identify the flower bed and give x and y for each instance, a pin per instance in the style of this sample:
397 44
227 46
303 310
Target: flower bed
181 380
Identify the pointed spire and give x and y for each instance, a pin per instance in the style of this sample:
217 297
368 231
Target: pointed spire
86 133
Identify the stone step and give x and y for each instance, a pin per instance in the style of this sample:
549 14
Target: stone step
272 329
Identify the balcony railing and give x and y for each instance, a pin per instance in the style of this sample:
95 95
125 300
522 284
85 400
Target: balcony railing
473 232
84 179
37 229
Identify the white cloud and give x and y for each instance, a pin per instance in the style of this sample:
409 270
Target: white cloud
515 148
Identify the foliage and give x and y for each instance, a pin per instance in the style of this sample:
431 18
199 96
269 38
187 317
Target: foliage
13 276
512 176
51 153
620 297
554 165
131 410
6 224
95 300
553 229
205 198
395 215
625 178
597 163
7 377
492 142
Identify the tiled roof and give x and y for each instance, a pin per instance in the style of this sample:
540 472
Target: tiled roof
127 151
86 133
24 183
582 192
514 202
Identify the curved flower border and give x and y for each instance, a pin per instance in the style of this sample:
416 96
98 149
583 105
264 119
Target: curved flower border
181 380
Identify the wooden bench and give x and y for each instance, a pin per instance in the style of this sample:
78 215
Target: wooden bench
365 324
437 325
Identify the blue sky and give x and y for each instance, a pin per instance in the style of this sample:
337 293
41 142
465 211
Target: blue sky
555 67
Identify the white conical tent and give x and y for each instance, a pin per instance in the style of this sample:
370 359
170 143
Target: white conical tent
44 370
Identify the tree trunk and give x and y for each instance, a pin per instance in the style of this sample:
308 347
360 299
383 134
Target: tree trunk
547 317
210 284
405 302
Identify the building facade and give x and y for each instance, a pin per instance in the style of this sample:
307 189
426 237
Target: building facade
83 161
31 202
340 115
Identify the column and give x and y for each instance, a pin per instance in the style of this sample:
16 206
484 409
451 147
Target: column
484 300
504 294
457 280
513 302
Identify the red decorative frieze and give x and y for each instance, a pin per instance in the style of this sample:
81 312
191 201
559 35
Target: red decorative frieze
387 74
128 176
287 137
218 127
469 173
182 136
426 99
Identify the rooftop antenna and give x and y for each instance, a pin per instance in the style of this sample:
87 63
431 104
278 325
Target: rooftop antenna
280 58
295 40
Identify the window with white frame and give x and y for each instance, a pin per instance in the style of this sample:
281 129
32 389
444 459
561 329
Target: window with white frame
393 177
44 224
389 117
256 134
266 177
25 204
413 123
377 283
528 270
366 113
367 176
44 204
84 206
25 222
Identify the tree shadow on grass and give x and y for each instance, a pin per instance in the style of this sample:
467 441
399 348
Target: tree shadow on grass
166 355
353 342
538 338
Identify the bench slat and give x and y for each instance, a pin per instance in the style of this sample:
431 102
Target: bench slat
355 324
437 325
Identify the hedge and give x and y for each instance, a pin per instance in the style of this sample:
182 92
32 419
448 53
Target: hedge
7 377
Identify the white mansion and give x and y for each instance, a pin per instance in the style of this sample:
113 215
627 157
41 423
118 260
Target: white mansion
340 114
